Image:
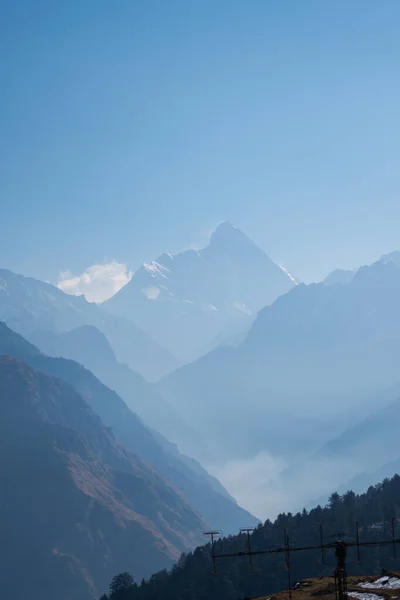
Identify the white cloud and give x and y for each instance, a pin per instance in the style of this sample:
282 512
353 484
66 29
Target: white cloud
97 283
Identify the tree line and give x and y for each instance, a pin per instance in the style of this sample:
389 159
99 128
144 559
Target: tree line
191 577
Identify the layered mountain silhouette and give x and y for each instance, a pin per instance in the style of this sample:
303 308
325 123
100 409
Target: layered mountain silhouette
344 276
296 375
88 346
204 492
76 507
28 305
307 356
185 300
371 444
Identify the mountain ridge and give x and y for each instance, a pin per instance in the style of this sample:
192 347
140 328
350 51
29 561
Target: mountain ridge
184 300
306 355
74 502
28 305
214 503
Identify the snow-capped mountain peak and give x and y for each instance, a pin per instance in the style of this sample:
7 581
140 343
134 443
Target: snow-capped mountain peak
168 296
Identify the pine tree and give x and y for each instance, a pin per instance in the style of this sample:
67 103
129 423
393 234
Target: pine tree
120 586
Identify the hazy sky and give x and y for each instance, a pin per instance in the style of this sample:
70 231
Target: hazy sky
132 127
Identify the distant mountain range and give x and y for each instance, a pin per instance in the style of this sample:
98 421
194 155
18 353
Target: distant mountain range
305 374
309 355
345 276
175 306
28 305
185 300
371 444
88 346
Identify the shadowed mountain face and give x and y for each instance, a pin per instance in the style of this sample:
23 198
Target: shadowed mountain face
89 347
370 445
28 305
308 355
185 300
76 507
204 492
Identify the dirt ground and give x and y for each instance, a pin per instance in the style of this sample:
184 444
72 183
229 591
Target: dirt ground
311 589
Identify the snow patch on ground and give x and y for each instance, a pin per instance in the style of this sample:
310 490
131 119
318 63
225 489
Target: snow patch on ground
243 308
291 277
363 596
154 268
386 582
4 286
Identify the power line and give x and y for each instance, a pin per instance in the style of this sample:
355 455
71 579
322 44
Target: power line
340 547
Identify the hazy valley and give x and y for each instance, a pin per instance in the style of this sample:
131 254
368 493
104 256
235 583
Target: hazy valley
199 300
296 394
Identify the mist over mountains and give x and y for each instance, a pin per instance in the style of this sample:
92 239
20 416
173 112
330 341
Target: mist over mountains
214 387
289 386
199 299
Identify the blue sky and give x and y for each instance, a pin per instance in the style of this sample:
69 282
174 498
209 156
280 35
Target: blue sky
133 127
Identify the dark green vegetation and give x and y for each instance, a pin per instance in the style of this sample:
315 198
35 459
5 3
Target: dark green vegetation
191 578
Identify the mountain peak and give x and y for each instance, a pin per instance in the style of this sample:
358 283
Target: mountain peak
226 229
187 299
225 226
227 234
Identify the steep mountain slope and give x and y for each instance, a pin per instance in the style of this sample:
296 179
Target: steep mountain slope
185 300
89 347
75 506
203 492
312 352
28 305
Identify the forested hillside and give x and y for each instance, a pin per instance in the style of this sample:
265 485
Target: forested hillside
191 578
